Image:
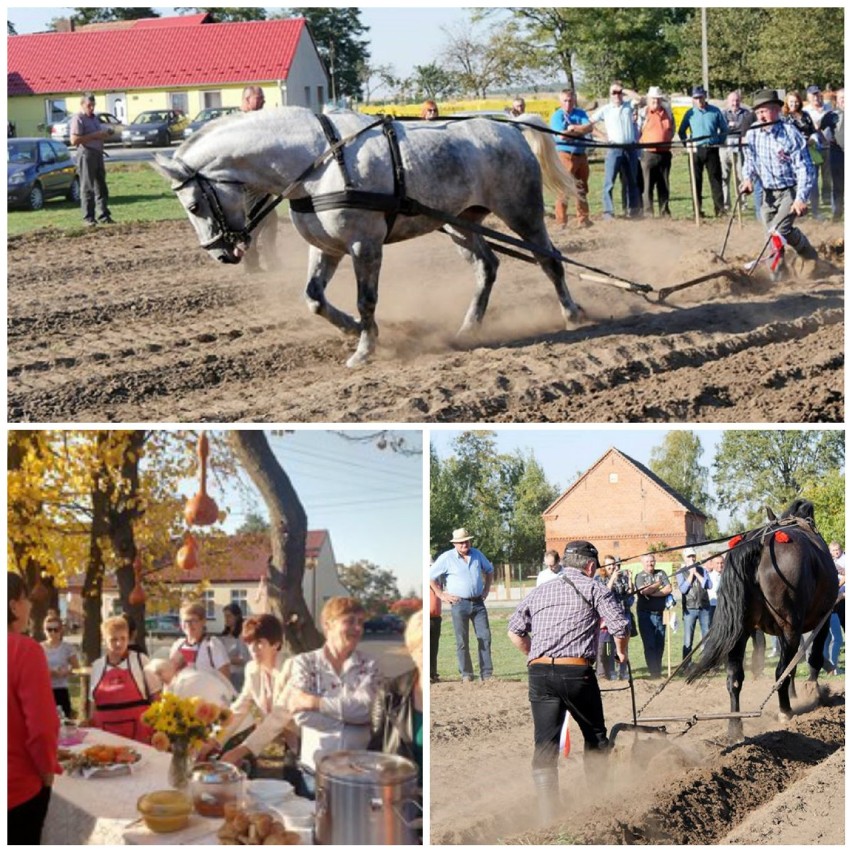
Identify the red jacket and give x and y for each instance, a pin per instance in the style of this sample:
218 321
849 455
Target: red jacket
33 726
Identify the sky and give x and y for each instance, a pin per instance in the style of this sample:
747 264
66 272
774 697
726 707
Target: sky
400 37
565 452
370 500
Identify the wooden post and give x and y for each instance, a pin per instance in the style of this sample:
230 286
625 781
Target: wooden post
737 182
693 186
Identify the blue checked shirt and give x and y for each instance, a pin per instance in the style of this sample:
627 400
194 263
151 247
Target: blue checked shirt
778 156
561 624
463 578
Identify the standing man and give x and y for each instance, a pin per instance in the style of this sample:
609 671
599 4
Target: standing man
706 125
461 577
776 154
818 109
832 128
556 627
573 124
837 622
652 589
434 634
552 568
88 134
658 126
739 119
621 131
694 583
715 568
266 233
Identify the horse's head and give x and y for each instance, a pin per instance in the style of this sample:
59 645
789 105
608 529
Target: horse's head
216 208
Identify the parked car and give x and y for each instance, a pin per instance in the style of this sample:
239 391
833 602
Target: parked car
158 127
205 116
163 625
61 131
384 624
38 169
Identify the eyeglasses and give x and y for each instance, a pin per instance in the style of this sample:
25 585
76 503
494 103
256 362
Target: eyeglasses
617 92
52 629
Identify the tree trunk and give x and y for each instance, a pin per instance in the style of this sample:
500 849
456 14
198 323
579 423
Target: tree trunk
94 582
123 513
288 535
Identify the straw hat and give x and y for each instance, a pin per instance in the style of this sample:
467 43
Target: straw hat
655 92
460 535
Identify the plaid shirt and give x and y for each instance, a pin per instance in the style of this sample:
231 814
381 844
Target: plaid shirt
778 156
561 623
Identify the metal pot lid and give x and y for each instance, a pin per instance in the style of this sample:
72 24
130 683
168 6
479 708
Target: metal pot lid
366 767
216 772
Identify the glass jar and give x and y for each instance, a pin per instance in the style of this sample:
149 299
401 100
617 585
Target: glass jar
213 784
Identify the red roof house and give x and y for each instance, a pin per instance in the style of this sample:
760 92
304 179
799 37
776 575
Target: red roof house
185 63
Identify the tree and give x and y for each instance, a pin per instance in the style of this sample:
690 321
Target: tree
373 586
253 523
531 495
433 81
231 14
337 32
10 28
772 468
288 538
828 495
677 461
372 77
102 14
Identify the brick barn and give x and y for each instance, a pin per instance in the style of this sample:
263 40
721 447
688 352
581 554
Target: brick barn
623 508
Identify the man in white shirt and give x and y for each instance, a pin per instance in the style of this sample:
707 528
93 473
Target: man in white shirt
552 568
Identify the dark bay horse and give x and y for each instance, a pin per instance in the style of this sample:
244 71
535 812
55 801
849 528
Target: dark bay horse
780 579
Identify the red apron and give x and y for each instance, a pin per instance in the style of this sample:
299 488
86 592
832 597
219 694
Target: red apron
119 705
189 654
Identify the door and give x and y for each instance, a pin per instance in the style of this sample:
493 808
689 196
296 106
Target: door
116 103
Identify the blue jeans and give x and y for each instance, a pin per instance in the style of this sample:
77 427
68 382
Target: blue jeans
833 643
653 633
690 618
624 162
464 612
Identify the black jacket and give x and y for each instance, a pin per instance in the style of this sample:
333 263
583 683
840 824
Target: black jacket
392 717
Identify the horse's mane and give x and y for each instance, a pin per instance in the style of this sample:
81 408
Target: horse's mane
800 509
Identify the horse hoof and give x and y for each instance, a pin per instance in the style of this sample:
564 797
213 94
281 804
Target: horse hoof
574 317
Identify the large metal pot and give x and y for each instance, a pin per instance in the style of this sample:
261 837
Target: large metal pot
366 798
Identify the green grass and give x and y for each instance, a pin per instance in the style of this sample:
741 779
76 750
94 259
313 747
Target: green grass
510 664
138 194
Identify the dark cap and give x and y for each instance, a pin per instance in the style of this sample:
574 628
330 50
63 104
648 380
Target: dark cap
583 548
812 90
699 92
766 96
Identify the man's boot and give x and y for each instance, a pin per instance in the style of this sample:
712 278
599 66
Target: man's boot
546 783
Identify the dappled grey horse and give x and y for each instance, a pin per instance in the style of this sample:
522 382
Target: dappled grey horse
356 182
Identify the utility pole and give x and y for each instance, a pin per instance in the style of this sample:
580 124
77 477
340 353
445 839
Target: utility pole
333 85
705 65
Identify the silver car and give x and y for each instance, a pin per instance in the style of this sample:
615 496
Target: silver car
61 131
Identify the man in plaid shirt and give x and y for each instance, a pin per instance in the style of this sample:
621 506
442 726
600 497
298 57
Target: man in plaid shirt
777 154
557 627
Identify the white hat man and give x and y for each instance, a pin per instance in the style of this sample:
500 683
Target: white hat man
461 577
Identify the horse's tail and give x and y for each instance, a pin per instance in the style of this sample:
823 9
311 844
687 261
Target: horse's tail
732 608
556 177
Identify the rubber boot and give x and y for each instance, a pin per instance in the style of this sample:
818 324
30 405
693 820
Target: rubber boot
546 783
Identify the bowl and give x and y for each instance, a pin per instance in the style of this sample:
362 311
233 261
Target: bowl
164 811
269 790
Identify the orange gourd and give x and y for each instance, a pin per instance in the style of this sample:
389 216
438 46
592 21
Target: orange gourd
137 595
187 556
201 510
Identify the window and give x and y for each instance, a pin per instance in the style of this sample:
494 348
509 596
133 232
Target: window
308 96
179 101
613 478
209 604
46 154
320 95
211 99
240 598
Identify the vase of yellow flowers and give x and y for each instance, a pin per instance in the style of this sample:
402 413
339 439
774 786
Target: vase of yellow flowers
180 726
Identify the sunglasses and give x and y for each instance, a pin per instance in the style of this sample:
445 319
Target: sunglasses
619 92
52 629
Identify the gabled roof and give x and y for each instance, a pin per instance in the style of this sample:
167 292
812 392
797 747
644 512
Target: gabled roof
647 472
174 21
152 57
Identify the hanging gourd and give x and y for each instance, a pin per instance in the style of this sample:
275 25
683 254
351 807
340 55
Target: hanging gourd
187 556
137 595
39 593
201 510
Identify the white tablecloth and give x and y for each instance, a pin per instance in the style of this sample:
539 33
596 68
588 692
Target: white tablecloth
99 810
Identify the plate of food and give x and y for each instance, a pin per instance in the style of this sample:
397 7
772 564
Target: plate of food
99 761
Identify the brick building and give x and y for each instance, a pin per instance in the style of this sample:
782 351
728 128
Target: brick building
623 508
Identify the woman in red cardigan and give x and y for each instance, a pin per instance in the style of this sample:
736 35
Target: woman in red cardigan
33 725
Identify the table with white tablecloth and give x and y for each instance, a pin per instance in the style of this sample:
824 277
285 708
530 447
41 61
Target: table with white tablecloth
89 811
